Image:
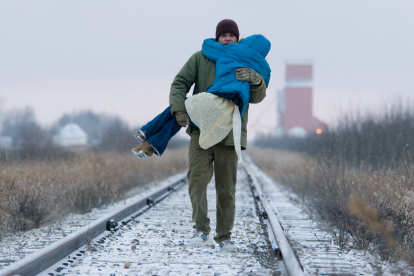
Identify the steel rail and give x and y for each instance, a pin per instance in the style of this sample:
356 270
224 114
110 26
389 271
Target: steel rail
46 257
290 261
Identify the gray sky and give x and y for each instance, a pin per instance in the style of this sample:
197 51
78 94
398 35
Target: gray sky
120 57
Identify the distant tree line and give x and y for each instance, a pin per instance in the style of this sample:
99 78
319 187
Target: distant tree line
374 141
31 140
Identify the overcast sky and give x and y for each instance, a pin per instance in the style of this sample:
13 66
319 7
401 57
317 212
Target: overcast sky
120 57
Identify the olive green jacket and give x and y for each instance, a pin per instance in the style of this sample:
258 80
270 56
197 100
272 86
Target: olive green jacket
200 71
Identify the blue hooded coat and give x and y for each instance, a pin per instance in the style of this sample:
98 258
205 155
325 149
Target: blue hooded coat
249 53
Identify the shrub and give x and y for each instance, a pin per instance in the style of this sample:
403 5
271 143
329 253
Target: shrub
373 210
374 142
35 192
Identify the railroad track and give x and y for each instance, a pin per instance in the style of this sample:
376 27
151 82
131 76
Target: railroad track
148 236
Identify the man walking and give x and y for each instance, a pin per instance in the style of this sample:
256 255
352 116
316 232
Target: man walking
220 158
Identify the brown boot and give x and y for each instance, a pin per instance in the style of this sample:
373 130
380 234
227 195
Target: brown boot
143 150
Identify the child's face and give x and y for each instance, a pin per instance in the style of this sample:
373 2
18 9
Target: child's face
227 38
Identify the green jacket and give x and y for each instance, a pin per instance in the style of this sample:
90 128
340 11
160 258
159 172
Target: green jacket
200 71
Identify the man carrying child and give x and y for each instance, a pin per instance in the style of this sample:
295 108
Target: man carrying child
220 159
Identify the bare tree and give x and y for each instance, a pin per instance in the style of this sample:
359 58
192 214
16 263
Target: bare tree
22 126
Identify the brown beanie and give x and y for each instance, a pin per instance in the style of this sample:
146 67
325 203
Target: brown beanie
227 26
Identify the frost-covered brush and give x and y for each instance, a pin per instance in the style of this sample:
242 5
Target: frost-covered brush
33 193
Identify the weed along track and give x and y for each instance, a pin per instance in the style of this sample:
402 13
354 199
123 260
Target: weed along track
150 237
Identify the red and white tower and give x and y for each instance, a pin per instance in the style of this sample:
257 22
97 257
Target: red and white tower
295 113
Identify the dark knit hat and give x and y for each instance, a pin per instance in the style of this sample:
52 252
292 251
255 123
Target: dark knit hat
227 26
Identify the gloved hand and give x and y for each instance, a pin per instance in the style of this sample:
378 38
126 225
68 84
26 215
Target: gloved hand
247 74
182 118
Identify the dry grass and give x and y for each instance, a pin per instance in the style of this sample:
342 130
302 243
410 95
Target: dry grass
32 193
374 210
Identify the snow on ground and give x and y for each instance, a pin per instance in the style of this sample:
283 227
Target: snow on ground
14 247
157 242
316 248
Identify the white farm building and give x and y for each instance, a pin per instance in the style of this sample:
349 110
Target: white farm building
71 135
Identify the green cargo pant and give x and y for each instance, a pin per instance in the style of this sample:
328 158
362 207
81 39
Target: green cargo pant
202 162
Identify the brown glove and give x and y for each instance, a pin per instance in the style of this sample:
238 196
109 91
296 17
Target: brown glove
182 118
247 74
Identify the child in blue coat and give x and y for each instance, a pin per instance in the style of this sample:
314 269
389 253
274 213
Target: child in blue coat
248 53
